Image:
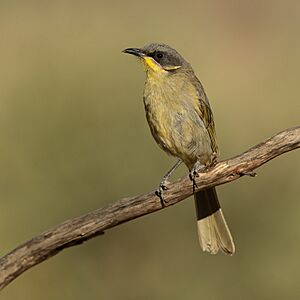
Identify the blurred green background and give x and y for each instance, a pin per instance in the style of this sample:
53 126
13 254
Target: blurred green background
74 138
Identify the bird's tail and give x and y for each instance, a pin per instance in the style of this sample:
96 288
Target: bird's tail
213 231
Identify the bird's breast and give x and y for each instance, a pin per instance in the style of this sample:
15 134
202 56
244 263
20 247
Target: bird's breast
160 113
172 113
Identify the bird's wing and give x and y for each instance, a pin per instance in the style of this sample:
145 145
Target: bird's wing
206 115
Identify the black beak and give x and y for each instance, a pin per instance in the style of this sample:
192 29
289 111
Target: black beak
134 51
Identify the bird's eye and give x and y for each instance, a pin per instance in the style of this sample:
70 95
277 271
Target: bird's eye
159 55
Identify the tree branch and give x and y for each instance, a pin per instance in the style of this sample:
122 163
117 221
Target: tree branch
78 230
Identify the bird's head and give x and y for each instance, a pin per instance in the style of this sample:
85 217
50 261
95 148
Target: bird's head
159 58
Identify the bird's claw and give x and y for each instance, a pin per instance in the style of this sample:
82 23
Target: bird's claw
193 176
214 159
197 168
159 192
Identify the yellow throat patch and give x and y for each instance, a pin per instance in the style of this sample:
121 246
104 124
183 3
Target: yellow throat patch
151 64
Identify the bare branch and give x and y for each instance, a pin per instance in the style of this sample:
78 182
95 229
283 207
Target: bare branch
78 230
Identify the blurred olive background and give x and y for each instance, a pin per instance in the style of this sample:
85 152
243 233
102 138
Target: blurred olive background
74 138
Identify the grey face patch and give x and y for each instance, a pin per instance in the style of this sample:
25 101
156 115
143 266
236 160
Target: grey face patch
165 55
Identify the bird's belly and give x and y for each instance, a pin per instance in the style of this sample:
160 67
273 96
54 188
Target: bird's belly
179 132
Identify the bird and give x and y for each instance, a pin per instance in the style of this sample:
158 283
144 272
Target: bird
182 124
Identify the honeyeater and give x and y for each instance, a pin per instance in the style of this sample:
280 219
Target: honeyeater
181 121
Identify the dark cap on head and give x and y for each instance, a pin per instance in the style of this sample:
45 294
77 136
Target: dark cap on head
165 55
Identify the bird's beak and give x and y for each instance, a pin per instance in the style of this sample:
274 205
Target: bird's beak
148 61
135 51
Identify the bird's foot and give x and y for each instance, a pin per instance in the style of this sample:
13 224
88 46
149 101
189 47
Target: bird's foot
160 191
214 159
197 168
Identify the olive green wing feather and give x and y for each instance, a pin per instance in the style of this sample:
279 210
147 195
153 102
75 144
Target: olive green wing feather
208 120
206 115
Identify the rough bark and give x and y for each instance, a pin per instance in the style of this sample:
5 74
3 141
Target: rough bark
78 230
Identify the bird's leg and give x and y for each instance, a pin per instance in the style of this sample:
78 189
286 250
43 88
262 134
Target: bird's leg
214 159
163 184
164 180
196 169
